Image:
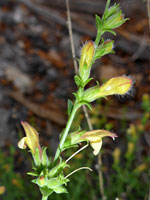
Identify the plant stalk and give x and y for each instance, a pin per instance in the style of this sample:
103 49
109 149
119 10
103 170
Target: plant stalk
98 37
65 133
44 197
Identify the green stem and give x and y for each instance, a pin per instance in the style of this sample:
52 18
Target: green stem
66 131
100 32
44 197
98 37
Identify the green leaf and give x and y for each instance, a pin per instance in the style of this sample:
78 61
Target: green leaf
46 191
45 160
70 106
36 157
87 104
32 173
68 146
87 81
78 80
54 183
99 22
57 169
111 31
60 190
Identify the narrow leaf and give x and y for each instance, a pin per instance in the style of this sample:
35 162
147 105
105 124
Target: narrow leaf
70 106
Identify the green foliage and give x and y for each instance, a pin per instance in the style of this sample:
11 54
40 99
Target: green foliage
82 181
70 106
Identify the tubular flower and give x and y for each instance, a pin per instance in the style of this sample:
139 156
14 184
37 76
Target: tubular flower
118 85
115 86
95 138
31 140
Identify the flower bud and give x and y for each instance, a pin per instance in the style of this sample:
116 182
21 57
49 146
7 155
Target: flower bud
103 49
114 18
87 54
115 86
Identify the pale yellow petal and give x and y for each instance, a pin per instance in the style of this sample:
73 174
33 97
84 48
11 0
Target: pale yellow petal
97 135
96 146
30 132
22 144
117 85
32 139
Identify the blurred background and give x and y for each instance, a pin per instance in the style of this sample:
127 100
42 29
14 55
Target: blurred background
36 79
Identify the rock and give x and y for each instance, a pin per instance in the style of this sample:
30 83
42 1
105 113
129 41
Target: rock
5 131
52 74
19 79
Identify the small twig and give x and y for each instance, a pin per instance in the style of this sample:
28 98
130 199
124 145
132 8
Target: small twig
148 12
87 118
84 107
71 37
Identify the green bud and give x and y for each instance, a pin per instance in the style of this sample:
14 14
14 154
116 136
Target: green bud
113 18
86 60
103 49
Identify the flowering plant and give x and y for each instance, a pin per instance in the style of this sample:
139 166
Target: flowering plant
49 173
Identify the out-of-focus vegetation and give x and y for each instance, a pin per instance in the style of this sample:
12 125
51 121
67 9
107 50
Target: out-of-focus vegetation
13 184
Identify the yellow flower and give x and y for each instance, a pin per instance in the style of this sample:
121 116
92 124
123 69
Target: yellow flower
95 138
118 85
115 86
31 140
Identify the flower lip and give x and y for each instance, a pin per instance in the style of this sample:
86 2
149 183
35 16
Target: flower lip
95 134
95 138
31 140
